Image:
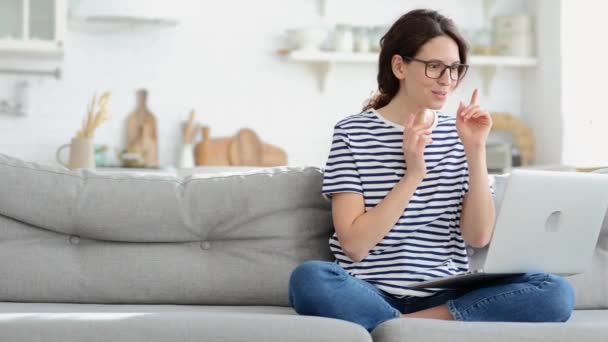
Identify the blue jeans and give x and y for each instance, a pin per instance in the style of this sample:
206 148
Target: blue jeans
321 288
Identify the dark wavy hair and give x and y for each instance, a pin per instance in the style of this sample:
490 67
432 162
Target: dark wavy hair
405 38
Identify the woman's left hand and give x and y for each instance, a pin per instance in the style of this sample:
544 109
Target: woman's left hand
473 123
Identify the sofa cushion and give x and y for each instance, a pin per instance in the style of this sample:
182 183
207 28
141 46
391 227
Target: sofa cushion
588 326
83 236
136 207
94 322
591 287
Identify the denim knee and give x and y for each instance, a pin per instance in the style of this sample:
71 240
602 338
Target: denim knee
560 297
557 296
311 279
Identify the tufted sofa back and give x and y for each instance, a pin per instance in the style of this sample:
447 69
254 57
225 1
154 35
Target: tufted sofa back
86 237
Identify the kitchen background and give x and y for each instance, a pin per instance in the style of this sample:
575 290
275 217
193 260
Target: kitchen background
233 63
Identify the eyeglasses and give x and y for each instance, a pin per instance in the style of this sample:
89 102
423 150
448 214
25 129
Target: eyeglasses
434 69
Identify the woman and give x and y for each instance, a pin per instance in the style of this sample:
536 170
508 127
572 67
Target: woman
409 190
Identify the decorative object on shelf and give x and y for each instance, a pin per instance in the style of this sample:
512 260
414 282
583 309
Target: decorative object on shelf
189 132
133 158
186 157
513 35
142 134
81 154
482 42
81 146
212 151
101 154
520 132
190 129
362 39
107 156
344 39
245 148
97 113
273 155
375 35
307 38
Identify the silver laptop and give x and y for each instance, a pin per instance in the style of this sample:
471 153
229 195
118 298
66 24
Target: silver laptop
548 222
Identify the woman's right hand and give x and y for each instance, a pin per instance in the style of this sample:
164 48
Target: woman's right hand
415 139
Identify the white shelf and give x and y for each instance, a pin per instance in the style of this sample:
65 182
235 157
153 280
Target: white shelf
331 57
101 24
325 60
506 61
372 57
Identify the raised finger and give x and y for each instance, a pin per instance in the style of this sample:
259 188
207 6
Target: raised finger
474 97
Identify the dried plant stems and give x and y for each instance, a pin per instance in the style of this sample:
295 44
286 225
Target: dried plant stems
97 113
190 129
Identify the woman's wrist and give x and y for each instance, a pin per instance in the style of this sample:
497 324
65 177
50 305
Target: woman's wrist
476 160
475 149
412 178
475 153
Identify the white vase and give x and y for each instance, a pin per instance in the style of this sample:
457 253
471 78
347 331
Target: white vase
186 158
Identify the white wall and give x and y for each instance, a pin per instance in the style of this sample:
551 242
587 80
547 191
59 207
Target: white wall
584 71
221 60
542 106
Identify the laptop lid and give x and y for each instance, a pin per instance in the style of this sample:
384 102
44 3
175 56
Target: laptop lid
548 222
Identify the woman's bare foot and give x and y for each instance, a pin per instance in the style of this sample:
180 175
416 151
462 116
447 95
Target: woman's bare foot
437 312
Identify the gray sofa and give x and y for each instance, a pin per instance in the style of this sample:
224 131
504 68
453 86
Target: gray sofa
87 256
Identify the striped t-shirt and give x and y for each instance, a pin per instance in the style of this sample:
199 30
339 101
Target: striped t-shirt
366 157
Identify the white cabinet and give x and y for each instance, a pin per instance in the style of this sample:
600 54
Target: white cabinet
32 27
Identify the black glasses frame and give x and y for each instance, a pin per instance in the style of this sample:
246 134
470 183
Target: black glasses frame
445 67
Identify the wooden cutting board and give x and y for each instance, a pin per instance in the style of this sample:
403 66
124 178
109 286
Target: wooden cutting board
212 152
141 132
243 149
246 148
273 156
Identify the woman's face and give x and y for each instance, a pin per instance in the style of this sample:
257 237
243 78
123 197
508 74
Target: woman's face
424 90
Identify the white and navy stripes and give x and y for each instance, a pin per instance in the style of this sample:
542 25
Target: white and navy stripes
366 157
